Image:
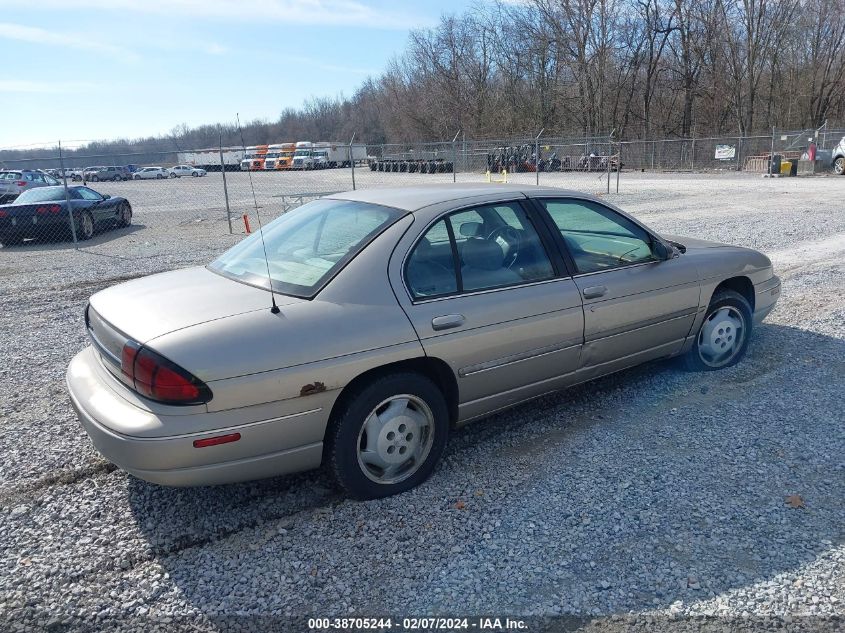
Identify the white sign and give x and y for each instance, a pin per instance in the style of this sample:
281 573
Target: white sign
725 152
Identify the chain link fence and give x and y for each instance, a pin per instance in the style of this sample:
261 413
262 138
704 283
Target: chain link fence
142 203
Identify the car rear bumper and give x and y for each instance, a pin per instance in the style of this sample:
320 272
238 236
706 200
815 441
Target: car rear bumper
24 225
266 448
766 295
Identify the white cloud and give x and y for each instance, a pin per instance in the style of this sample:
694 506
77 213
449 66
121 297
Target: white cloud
43 87
37 35
305 12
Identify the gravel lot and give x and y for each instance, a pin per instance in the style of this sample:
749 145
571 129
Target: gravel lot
651 494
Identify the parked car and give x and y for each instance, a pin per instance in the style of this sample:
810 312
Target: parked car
14 182
151 173
75 175
44 212
97 174
838 158
177 171
396 315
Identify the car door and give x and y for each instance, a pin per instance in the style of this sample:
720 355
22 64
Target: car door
94 204
486 292
637 306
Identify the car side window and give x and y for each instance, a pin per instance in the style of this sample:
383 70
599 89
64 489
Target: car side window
598 238
430 271
88 194
483 250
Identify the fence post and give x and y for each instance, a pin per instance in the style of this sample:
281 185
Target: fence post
772 155
609 159
692 154
225 186
67 198
537 156
352 161
739 154
618 165
653 148
455 156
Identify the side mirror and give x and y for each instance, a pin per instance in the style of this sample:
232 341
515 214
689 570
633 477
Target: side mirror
106 197
662 251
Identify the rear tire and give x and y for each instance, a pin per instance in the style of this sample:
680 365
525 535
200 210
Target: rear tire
388 436
839 166
85 226
11 239
95 179
723 337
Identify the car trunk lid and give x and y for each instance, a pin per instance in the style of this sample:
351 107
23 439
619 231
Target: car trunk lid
149 307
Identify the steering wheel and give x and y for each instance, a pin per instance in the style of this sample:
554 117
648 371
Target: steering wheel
509 240
623 257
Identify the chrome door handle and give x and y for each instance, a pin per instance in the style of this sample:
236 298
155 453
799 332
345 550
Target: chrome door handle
594 291
447 321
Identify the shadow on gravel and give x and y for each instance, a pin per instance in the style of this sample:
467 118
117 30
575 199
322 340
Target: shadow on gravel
103 235
633 492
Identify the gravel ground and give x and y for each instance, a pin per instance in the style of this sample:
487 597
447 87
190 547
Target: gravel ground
654 496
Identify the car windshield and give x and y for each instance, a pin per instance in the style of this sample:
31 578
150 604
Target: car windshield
306 246
41 194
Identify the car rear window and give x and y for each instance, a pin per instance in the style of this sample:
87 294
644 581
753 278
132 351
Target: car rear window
10 175
306 246
41 194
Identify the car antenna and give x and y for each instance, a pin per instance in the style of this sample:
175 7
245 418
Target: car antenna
274 309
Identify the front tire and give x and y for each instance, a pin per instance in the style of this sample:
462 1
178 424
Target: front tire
839 166
388 436
124 215
95 179
723 337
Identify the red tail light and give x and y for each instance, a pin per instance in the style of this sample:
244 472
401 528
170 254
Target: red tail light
157 378
48 208
3 214
20 183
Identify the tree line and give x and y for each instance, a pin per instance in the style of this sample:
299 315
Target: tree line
640 68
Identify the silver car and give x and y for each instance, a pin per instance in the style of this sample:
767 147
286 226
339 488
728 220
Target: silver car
837 159
382 319
14 182
177 171
151 173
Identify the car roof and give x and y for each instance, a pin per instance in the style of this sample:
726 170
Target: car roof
420 196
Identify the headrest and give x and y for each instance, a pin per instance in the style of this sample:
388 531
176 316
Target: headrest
478 253
470 229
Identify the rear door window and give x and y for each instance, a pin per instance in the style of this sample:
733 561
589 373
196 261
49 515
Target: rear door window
491 246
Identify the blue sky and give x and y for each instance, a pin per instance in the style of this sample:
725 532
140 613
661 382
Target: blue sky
102 69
